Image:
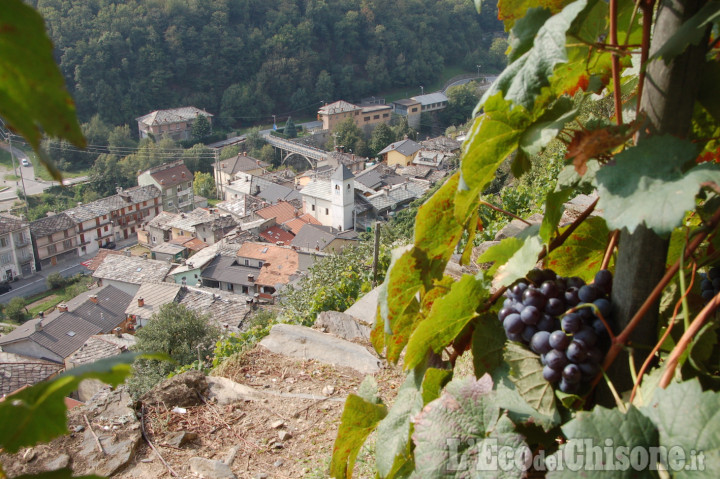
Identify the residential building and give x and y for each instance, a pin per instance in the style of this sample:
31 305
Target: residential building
432 101
189 271
336 158
324 238
332 201
409 108
226 170
16 252
207 225
114 218
157 230
241 207
266 190
127 273
378 177
401 152
174 181
19 371
169 252
175 123
363 116
54 240
58 335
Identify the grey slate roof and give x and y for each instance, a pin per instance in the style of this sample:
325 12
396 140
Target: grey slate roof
223 308
239 163
105 206
101 346
154 296
132 269
63 333
227 270
379 176
174 115
398 196
18 371
311 236
341 173
162 221
406 147
10 223
51 224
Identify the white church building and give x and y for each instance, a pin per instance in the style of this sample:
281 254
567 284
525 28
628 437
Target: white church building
331 201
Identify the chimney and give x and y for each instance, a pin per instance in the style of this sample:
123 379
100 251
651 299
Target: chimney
63 307
162 181
244 153
141 302
118 332
38 326
251 278
222 165
93 298
183 174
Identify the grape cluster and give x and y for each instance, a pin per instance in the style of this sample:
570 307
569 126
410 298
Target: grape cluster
710 284
571 346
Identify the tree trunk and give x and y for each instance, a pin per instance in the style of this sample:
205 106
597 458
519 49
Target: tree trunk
669 96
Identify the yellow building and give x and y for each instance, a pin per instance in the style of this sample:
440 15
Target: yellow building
335 113
400 153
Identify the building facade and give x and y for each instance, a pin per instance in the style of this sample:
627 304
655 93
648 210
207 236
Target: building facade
54 240
16 253
175 123
175 182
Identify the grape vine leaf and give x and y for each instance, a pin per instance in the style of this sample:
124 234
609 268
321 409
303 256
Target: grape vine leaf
359 419
447 318
38 413
582 253
511 10
452 431
368 390
695 430
393 432
554 208
569 178
33 98
527 376
589 433
522 81
492 138
433 382
648 184
522 261
524 31
519 410
546 128
691 32
500 253
436 229
488 344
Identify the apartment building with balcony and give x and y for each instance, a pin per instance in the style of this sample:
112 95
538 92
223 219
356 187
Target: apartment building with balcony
54 240
16 253
175 182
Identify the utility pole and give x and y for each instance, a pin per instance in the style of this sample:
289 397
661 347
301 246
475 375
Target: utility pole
376 253
218 180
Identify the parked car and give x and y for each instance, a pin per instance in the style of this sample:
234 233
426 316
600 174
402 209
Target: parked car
110 245
25 162
5 287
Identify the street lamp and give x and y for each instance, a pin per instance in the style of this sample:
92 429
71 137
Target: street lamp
422 90
478 67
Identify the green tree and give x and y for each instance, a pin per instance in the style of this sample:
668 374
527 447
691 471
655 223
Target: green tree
402 130
381 137
461 102
204 185
120 140
16 311
229 152
325 87
201 128
290 131
176 331
347 135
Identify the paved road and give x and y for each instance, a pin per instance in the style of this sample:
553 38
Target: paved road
36 284
32 186
488 79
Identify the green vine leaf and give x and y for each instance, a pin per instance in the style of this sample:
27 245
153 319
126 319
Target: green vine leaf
522 261
433 382
648 184
359 419
447 318
488 345
554 208
528 379
582 253
38 414
511 10
500 253
519 410
688 417
436 229
547 127
691 32
523 32
393 432
522 81
33 98
589 433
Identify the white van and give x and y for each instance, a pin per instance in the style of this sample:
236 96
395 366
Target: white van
25 162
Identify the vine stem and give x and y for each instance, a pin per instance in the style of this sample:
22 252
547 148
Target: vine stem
612 244
647 7
483 202
686 338
617 94
659 344
622 338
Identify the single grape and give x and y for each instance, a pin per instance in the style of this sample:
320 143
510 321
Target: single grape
561 284
588 293
513 324
569 388
550 289
577 351
571 297
575 282
599 327
551 375
603 305
603 278
504 313
530 315
528 333
555 307
540 342
556 359
586 314
533 297
547 323
714 273
589 370
519 289
707 294
508 303
571 373
716 284
571 323
559 340
587 335
706 284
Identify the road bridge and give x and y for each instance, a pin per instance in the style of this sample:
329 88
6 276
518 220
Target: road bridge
289 148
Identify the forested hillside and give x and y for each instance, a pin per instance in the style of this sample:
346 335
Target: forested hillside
246 59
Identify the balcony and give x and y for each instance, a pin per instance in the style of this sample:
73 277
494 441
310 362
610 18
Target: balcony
25 259
21 241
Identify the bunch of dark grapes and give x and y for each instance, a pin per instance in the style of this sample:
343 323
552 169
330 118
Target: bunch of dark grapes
710 284
571 346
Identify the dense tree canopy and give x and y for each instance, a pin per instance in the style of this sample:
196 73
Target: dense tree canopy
246 59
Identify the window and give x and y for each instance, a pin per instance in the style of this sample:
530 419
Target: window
247 262
154 240
337 187
67 233
385 115
170 203
4 241
414 110
375 117
348 186
106 228
367 118
67 244
144 203
312 207
327 211
104 217
52 249
5 258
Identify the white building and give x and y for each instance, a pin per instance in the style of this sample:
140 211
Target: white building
331 201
